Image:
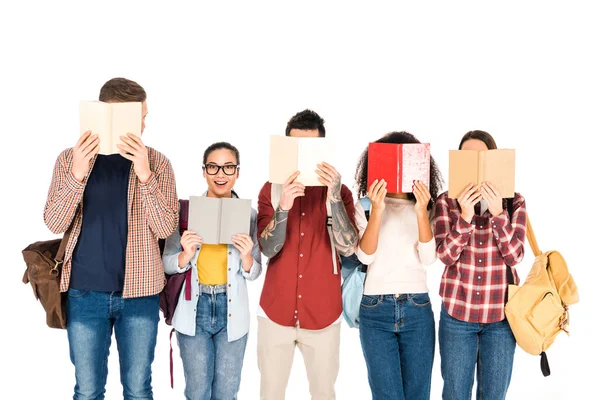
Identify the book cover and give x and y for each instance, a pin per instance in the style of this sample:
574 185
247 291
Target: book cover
217 220
291 154
399 164
110 121
473 166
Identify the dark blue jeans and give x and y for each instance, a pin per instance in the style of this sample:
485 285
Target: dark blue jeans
464 345
397 333
91 319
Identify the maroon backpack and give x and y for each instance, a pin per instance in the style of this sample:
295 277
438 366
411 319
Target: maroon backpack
175 283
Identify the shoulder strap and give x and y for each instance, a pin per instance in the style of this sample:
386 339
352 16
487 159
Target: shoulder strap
334 255
365 202
510 207
532 240
276 190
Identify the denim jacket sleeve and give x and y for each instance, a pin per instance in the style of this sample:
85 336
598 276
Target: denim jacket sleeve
171 254
256 268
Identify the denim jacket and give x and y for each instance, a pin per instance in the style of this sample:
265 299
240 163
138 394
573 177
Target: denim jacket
238 324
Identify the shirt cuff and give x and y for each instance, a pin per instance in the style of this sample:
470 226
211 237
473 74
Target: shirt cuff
463 227
363 257
249 274
151 186
73 184
500 222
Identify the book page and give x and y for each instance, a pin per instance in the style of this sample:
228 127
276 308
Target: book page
95 116
499 168
235 218
283 158
313 151
126 118
463 167
203 218
384 164
415 165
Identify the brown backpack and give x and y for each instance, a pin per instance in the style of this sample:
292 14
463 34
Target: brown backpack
44 265
538 310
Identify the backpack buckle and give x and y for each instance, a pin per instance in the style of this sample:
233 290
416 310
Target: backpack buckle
329 221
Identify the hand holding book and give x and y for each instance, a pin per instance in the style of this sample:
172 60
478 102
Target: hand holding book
467 200
492 197
133 149
189 243
84 150
244 244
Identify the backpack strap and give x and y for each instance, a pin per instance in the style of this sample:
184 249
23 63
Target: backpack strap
365 202
532 240
276 190
334 255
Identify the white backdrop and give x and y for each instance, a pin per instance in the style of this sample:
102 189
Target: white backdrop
526 72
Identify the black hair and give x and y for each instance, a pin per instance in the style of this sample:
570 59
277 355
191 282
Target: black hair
219 146
435 177
306 120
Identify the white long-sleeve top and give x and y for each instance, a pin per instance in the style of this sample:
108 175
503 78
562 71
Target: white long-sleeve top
398 264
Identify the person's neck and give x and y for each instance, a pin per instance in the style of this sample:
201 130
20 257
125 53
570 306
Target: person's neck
397 195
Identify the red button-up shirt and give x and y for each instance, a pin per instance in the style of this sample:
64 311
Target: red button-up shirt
476 256
300 284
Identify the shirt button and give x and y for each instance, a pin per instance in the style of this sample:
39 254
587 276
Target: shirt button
477 293
296 311
477 278
295 316
300 276
303 214
481 226
302 234
479 260
230 300
230 315
229 285
299 296
229 269
229 253
480 243
301 255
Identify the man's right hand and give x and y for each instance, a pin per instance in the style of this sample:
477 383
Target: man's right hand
467 200
86 148
290 190
189 243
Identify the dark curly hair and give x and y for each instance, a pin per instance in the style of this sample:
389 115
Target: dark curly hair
435 177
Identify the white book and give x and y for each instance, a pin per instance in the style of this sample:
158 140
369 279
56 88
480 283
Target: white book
291 154
110 121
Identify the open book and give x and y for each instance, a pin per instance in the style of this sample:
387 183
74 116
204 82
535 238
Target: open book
217 220
291 154
399 165
473 166
109 121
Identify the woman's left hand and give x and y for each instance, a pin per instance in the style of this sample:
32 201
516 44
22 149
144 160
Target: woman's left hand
423 196
492 197
244 244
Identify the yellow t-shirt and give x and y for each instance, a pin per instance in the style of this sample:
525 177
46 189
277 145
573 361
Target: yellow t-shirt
212 264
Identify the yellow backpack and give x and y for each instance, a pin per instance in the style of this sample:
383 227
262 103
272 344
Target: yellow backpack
538 310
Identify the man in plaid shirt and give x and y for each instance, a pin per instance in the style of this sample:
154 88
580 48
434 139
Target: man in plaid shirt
480 241
116 207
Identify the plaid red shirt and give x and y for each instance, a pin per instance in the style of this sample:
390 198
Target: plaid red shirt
152 213
476 255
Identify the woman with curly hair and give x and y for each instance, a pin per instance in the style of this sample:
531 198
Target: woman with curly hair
397 329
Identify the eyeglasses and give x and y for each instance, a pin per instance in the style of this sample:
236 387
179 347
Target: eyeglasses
213 169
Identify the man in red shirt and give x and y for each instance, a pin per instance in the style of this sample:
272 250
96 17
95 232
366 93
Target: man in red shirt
301 301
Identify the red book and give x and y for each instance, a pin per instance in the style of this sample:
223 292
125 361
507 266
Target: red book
399 164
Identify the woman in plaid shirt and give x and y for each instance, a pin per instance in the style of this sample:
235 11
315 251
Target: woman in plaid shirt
480 240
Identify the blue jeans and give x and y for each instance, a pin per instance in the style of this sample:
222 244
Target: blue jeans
212 365
464 345
90 322
397 333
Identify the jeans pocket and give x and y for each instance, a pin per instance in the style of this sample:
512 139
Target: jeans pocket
420 299
369 301
76 293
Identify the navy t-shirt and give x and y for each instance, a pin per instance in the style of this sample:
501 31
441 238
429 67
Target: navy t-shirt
99 257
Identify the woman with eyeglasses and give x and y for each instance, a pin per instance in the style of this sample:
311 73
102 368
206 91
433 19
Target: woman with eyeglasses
212 328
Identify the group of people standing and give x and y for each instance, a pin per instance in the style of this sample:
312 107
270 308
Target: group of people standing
117 206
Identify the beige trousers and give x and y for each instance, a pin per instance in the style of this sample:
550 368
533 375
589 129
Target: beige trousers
320 350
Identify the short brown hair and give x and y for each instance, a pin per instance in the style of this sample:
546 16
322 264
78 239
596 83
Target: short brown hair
479 135
121 90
